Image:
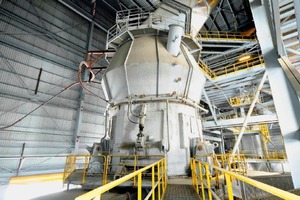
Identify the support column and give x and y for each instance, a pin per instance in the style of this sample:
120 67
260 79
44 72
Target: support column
84 77
285 98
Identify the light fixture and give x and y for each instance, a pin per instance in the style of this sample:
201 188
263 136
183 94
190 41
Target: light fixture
245 57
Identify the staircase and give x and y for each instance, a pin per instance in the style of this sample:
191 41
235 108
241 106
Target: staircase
289 27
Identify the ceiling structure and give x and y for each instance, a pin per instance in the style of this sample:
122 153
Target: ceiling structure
43 42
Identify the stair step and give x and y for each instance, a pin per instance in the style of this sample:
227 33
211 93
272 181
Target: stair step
294 43
290 35
287 14
285 2
286 7
289 27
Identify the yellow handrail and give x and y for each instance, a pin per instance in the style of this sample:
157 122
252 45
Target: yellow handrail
81 162
231 69
219 35
160 184
197 175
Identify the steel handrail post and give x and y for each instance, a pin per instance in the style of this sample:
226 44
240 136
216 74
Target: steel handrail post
158 179
139 186
153 182
229 186
207 173
84 168
201 180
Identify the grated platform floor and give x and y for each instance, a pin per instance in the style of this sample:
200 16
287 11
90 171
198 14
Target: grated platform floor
182 192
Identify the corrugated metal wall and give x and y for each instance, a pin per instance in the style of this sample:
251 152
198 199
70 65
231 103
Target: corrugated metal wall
43 34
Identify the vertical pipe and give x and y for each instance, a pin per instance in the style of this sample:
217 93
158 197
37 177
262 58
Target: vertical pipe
125 67
157 68
38 81
248 115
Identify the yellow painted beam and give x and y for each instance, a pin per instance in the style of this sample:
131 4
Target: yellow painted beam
36 178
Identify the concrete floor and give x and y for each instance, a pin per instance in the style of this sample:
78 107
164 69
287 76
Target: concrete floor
65 195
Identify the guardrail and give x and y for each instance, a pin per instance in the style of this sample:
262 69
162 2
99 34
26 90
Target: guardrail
84 166
231 69
219 35
108 167
272 155
158 182
131 21
121 165
201 176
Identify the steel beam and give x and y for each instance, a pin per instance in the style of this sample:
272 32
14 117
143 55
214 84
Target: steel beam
291 73
245 123
239 121
285 98
210 107
82 13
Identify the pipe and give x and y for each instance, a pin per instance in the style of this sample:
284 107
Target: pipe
168 126
174 39
155 99
236 145
125 67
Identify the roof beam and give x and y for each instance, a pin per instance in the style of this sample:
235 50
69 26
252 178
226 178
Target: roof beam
89 17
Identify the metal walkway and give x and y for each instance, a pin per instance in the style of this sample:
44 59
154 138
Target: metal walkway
182 192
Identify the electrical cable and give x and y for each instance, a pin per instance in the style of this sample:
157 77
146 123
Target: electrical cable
44 103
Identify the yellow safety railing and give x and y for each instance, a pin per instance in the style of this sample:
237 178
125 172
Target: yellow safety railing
242 100
271 155
236 163
202 178
239 66
84 166
121 165
219 35
70 166
210 73
231 69
158 182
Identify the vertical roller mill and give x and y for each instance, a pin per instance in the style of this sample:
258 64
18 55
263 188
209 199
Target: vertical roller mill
154 84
